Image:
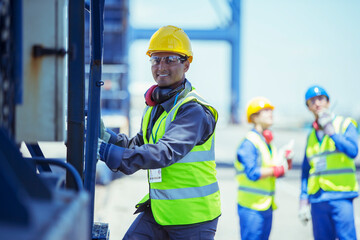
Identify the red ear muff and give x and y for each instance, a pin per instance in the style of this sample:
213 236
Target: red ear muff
315 125
268 136
148 99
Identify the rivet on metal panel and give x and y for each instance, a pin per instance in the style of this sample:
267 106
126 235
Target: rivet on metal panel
99 83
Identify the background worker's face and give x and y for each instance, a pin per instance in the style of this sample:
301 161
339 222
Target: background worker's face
169 74
264 118
318 104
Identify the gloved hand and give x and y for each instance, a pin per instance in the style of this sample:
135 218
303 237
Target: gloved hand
110 154
283 161
289 155
99 149
104 135
304 212
287 152
279 171
325 122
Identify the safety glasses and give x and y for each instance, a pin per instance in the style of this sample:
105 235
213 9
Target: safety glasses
169 60
317 98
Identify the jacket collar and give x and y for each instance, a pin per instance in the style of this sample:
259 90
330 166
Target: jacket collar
169 104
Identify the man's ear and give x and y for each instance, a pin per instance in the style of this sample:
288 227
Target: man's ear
328 104
186 65
254 118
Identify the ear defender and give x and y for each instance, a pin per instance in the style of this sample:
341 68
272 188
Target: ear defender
315 125
268 136
156 94
148 96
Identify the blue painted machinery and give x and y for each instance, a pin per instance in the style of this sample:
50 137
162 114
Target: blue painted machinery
42 79
36 201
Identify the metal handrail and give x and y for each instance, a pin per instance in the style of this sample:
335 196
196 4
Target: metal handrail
60 163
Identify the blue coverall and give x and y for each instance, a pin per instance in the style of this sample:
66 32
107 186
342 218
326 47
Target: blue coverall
332 212
254 224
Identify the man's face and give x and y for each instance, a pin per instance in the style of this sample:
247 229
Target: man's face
168 72
318 104
264 117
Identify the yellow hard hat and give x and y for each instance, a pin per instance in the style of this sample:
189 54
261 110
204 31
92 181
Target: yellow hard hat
170 39
256 104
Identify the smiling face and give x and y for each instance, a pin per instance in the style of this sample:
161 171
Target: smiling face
168 73
318 104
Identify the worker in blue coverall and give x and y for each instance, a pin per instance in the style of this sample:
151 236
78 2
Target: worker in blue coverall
257 166
328 180
175 145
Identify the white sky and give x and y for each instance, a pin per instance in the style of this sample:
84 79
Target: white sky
287 45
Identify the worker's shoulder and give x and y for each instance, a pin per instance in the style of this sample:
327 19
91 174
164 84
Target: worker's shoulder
194 111
194 106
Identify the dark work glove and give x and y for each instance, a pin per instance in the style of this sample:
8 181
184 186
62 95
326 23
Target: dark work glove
110 154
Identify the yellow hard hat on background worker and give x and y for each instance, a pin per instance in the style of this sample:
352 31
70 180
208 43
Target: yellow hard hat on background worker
256 104
170 39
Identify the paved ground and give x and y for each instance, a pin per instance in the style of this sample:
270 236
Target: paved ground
114 203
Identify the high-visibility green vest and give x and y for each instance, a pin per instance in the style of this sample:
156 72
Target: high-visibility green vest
330 169
188 192
259 194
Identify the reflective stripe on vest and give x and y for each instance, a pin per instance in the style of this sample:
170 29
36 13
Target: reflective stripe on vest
257 191
333 172
198 156
182 193
257 195
330 169
188 192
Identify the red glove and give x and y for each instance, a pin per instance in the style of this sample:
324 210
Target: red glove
289 156
279 171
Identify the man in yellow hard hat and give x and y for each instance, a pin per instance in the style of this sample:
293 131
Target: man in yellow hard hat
175 145
257 166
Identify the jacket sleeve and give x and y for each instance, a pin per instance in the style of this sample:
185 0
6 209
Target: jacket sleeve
126 142
347 142
122 140
248 155
192 125
304 178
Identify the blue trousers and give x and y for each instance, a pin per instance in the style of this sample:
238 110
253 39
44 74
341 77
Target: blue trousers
145 227
333 219
254 225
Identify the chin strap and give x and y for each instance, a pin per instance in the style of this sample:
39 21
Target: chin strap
268 136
